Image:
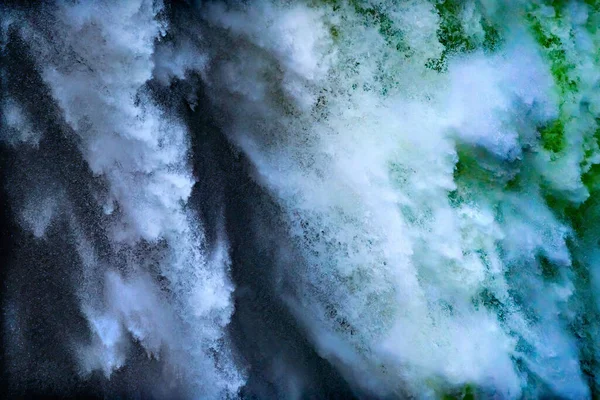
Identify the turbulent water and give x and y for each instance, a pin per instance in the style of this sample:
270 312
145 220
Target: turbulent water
300 199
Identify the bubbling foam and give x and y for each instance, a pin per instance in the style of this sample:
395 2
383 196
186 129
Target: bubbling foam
96 60
394 157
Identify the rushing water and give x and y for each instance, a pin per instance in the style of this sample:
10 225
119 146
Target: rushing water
293 199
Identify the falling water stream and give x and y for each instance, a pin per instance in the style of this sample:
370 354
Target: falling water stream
301 199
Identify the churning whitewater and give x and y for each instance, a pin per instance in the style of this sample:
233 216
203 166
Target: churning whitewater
300 199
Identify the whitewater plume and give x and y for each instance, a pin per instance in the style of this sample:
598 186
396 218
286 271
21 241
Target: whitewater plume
96 61
320 198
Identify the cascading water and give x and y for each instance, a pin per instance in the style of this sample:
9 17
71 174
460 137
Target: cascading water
308 199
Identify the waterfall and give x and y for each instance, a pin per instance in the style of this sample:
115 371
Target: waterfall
309 199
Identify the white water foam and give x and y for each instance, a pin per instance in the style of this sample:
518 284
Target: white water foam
358 143
96 59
